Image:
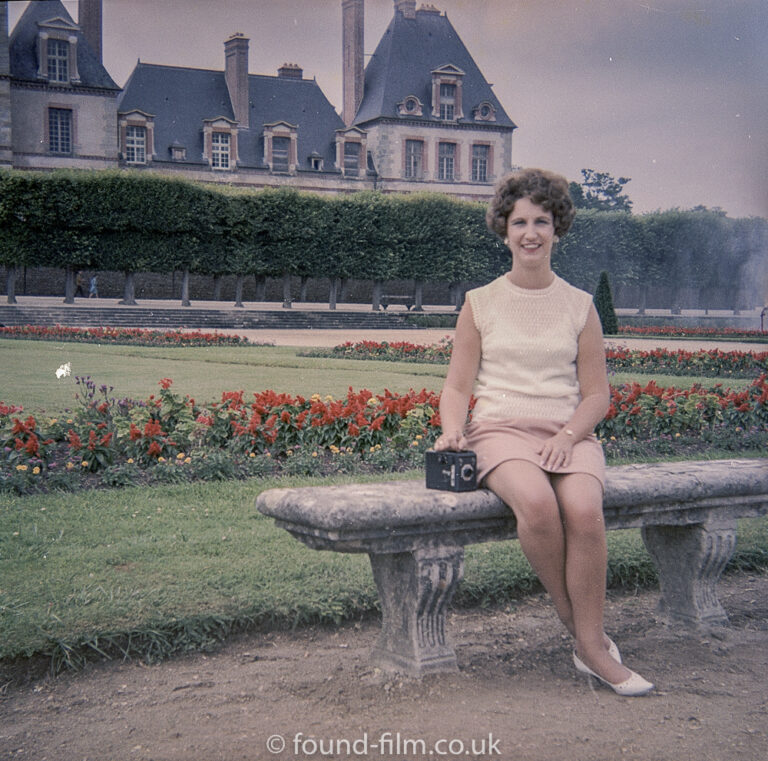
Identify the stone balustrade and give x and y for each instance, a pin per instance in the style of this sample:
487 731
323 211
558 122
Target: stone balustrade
415 538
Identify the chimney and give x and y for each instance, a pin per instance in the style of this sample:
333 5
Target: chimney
352 55
290 71
236 76
89 20
406 7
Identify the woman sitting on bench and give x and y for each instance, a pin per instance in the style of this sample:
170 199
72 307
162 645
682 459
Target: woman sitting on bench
530 346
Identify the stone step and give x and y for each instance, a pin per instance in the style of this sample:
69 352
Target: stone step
202 319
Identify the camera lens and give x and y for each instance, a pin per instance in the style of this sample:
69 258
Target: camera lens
467 471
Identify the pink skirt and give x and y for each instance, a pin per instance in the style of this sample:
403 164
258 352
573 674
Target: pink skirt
497 441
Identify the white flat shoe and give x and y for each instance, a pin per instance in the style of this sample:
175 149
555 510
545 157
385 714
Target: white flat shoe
632 687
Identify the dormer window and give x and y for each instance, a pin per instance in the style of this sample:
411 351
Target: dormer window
316 162
58 61
57 51
447 101
352 151
135 145
178 151
220 150
447 93
485 112
220 143
281 147
411 106
137 136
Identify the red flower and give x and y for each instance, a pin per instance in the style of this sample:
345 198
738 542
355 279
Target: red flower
154 449
74 440
166 383
135 433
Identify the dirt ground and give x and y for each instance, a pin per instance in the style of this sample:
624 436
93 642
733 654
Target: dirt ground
516 696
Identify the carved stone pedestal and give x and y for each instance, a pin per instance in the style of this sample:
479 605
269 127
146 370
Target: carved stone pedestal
415 589
690 560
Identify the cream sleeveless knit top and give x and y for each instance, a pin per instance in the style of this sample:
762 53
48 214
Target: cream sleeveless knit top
529 346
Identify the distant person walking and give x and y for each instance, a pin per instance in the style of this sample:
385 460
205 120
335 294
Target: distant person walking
79 284
93 293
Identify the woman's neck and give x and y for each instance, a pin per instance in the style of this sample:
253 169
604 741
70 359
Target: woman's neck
534 279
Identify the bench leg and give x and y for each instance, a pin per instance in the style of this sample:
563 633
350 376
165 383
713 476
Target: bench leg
415 589
690 560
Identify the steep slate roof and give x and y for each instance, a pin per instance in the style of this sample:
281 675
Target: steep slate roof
403 63
23 47
181 98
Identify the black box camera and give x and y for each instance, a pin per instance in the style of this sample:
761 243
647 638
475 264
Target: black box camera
451 471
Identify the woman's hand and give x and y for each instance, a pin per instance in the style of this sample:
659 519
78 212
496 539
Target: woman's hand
556 451
452 440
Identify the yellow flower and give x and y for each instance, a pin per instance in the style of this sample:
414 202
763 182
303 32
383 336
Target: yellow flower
252 454
188 460
84 463
180 456
677 435
21 467
613 438
70 465
315 397
314 454
161 459
36 470
130 460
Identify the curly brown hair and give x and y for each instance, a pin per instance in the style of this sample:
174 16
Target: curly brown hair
547 189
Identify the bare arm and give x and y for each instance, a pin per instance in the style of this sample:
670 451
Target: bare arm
457 390
595 395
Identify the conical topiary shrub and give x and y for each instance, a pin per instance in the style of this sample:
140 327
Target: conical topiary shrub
604 304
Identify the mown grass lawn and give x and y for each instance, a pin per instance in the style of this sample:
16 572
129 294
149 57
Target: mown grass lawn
28 372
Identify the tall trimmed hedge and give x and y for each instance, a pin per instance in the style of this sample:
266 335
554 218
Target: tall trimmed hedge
139 222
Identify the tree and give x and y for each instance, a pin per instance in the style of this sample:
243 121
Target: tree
600 191
604 304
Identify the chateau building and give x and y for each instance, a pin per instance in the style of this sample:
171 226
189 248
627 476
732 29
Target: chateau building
420 116
58 104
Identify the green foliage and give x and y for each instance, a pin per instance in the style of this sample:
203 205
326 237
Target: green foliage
604 304
132 222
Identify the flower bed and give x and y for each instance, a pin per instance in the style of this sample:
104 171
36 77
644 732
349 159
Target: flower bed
712 362
672 331
113 442
705 362
135 336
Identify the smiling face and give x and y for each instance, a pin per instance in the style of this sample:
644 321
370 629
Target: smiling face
531 234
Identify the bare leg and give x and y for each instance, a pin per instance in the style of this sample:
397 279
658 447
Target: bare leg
527 490
580 499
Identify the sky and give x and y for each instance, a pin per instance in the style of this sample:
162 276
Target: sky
672 94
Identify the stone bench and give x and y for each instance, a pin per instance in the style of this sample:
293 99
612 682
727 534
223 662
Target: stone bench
406 301
415 538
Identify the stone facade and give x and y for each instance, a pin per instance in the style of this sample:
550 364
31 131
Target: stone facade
94 129
58 105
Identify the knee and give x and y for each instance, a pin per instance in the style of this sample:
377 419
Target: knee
537 515
585 521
